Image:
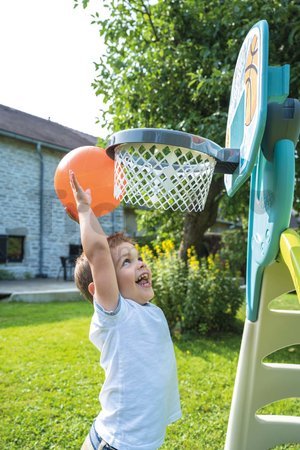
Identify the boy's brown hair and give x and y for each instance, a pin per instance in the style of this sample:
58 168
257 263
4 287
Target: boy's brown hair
83 274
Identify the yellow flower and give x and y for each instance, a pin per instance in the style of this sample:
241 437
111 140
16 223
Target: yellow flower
146 253
167 246
194 263
191 252
210 262
158 250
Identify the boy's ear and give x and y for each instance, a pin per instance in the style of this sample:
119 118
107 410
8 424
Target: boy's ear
91 288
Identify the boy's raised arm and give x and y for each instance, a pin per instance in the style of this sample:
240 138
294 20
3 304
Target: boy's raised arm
96 249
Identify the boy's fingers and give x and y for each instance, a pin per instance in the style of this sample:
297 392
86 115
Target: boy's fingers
71 178
74 183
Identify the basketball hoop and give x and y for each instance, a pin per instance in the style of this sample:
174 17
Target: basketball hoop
162 177
165 169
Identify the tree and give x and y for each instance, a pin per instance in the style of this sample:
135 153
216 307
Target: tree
169 64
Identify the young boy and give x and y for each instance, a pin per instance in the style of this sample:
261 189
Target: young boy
139 397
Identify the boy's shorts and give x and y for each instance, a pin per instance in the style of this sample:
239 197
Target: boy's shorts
94 442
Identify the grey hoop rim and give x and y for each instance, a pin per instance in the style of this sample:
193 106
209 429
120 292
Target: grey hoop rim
227 160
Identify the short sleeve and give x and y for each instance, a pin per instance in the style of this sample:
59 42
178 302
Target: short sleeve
97 306
103 318
104 322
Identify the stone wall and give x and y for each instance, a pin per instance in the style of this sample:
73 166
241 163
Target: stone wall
20 168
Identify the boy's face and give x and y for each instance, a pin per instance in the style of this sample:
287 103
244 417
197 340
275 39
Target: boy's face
133 275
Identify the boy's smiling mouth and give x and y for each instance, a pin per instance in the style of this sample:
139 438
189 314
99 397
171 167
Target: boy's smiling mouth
143 280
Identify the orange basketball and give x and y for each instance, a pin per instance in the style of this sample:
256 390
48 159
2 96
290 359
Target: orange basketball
94 170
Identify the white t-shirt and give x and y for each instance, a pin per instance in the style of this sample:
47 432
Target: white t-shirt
140 396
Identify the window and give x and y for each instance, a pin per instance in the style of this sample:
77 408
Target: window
11 248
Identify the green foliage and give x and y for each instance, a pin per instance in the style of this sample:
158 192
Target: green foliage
213 296
169 276
160 225
6 275
28 275
187 48
168 279
169 63
202 296
236 208
234 249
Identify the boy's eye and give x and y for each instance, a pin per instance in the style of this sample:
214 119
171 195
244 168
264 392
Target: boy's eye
140 258
126 261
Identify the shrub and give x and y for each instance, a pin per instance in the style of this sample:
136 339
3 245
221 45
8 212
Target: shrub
28 276
201 296
213 295
6 275
234 249
168 279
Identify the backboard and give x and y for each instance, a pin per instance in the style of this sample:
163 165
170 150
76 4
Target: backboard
248 104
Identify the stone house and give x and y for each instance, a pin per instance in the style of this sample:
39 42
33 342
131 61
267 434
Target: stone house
35 232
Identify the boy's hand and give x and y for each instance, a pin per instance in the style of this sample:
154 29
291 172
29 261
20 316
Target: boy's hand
83 198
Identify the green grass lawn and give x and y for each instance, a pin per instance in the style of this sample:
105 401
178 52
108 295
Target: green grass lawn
50 381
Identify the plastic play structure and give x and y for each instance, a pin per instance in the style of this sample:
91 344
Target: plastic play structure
273 263
170 169
262 131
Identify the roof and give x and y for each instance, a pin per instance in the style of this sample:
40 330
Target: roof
14 122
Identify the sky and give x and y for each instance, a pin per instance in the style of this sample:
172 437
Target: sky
48 50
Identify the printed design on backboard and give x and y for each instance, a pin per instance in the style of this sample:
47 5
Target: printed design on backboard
251 74
243 114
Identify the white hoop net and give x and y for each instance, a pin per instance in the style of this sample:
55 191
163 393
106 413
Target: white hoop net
162 177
